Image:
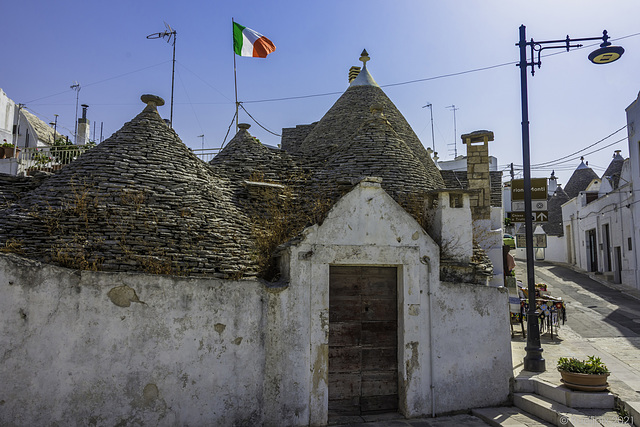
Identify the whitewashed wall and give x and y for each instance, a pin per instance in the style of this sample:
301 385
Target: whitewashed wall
96 348
190 352
470 356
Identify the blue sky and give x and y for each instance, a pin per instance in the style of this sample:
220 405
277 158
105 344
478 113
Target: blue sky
103 46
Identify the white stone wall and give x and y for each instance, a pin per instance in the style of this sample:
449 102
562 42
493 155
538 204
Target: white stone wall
95 348
633 133
453 228
615 210
556 249
469 364
7 107
191 352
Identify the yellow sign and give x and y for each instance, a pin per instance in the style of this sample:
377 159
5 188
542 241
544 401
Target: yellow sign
605 55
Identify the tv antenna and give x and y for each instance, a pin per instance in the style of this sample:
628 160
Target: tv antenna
170 34
75 86
433 140
455 131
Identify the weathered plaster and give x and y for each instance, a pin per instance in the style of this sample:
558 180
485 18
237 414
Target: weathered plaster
69 354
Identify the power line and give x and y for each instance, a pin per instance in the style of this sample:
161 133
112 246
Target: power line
99 81
581 150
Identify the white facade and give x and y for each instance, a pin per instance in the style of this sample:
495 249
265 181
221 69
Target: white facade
7 107
633 132
600 233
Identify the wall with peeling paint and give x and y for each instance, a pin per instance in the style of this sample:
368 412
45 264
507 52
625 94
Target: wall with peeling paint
102 349
470 324
472 346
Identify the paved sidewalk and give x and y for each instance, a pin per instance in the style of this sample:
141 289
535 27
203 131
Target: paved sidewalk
620 354
396 420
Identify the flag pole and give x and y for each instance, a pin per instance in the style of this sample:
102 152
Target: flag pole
235 77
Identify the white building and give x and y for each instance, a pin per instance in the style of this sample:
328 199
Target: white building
599 227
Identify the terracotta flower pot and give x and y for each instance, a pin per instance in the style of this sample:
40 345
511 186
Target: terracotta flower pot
584 382
11 152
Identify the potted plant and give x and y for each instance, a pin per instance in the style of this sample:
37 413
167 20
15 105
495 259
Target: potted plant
10 150
583 375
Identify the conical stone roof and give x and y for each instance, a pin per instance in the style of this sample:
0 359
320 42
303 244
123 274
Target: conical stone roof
377 150
139 201
580 180
246 158
339 126
553 226
614 169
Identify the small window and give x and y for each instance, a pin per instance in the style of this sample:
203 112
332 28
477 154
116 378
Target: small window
629 243
455 200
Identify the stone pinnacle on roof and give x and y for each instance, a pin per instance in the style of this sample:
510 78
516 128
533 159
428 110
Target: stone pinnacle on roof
364 78
152 102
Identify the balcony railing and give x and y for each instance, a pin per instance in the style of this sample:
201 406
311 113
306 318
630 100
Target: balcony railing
50 159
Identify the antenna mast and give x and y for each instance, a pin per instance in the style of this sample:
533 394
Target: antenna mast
433 140
170 34
75 86
455 131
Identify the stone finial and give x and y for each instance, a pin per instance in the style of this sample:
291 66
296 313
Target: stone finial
364 56
152 100
244 126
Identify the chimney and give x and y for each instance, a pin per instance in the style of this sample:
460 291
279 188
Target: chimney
83 127
553 184
478 172
353 73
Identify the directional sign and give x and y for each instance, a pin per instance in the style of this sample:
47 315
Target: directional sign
538 189
536 205
536 216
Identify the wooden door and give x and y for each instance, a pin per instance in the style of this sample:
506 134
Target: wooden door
363 340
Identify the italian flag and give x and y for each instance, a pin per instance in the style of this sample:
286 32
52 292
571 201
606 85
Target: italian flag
247 42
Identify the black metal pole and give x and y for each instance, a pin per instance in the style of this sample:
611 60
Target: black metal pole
533 361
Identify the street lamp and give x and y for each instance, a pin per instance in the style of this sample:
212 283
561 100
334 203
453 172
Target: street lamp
533 361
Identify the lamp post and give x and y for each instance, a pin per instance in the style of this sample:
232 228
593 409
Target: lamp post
533 361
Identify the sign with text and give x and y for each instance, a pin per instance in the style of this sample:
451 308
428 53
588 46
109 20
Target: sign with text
538 189
542 216
536 205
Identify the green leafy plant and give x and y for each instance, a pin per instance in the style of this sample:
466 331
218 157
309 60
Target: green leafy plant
593 365
41 158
